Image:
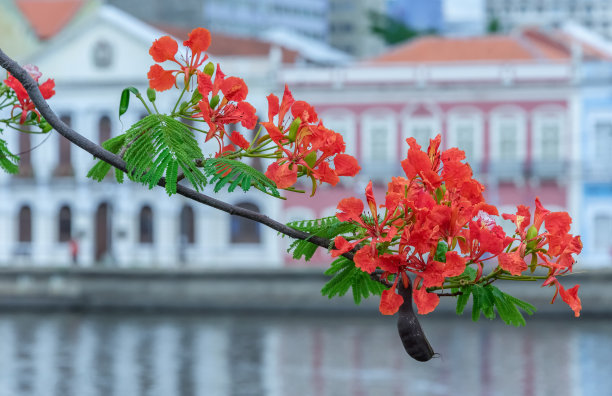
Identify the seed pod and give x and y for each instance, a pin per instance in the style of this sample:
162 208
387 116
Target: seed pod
531 237
409 328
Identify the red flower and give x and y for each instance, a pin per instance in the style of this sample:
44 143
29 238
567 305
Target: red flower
512 262
231 109
165 49
305 144
25 103
571 298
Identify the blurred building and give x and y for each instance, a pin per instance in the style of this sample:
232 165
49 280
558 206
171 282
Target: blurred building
594 14
511 102
93 56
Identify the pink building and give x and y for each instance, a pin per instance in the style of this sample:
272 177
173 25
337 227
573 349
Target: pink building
510 102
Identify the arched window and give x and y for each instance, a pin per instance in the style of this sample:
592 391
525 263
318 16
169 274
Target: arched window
146 225
25 224
245 230
64 224
64 165
187 225
104 129
25 160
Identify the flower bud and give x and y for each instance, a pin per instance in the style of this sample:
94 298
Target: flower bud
531 239
151 94
293 128
214 101
209 68
311 158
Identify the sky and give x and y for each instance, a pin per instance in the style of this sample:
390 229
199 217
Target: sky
461 10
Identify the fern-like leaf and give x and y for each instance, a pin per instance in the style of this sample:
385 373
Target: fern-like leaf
225 171
158 146
346 276
326 227
8 161
99 171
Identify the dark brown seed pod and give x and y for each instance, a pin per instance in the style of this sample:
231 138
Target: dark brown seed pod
410 331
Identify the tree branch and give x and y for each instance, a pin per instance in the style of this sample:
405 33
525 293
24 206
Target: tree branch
99 152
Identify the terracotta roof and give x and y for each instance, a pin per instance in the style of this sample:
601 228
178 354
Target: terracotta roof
48 17
527 44
223 45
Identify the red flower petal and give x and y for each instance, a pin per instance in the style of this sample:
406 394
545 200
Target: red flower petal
249 118
346 165
390 302
325 174
282 175
305 111
540 213
205 84
47 88
558 223
512 262
425 302
366 259
455 264
234 89
163 49
160 79
239 140
199 40
571 298
341 246
350 209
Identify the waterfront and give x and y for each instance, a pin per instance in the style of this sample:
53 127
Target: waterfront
83 354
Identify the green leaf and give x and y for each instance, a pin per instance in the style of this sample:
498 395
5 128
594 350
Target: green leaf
8 161
158 145
462 299
224 171
477 293
327 227
346 276
99 171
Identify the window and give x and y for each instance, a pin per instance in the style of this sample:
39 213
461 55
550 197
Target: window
146 225
25 159
187 225
465 133
379 143
602 237
603 141
64 223
547 137
64 166
244 230
104 129
508 138
25 224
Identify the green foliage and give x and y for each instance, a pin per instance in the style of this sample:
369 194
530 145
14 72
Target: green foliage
99 171
487 299
391 30
225 171
347 276
441 250
158 145
327 227
8 161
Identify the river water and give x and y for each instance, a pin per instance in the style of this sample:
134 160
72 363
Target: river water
77 354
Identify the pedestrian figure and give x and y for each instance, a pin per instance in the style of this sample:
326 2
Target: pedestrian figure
74 250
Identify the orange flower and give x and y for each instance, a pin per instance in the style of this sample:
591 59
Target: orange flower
165 49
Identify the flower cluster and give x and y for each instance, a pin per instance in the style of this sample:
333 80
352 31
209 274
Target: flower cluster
305 145
296 140
439 207
165 49
24 103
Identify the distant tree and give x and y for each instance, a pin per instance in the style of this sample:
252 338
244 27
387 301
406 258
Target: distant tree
391 30
493 26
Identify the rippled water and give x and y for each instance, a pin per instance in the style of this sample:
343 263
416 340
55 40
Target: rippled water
133 355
